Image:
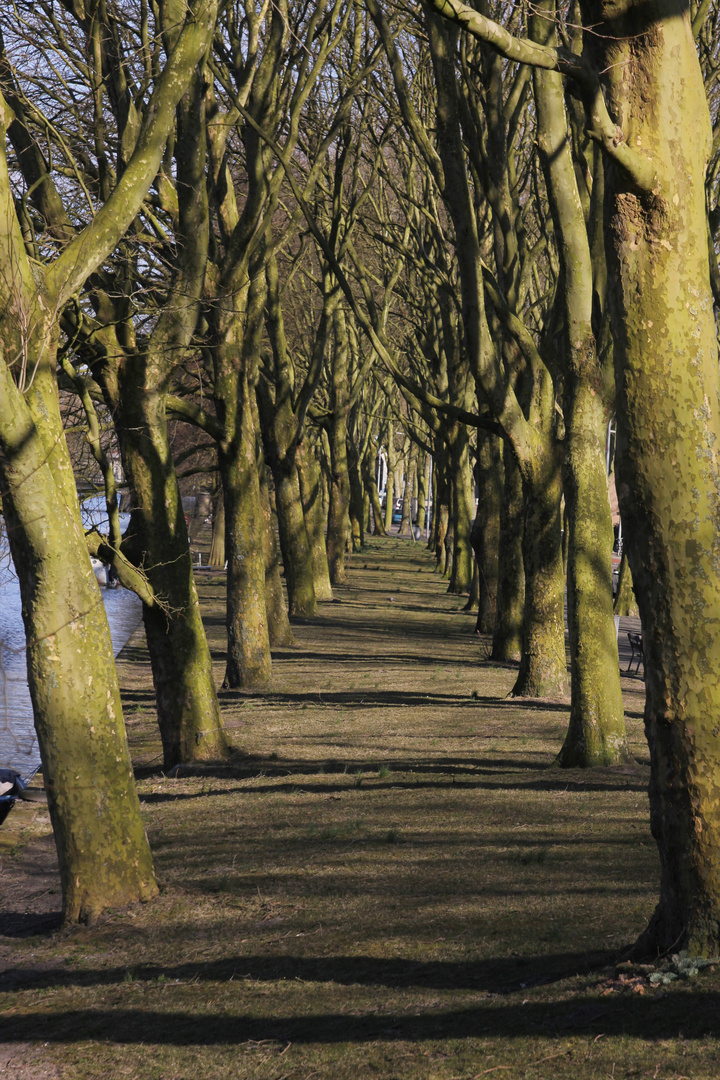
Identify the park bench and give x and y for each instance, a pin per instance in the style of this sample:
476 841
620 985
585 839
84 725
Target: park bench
13 786
636 651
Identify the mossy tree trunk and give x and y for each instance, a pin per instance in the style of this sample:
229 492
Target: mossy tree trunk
216 557
441 516
485 533
283 408
462 512
279 629
596 732
135 378
625 602
425 462
410 467
370 485
448 549
157 541
102 849
315 521
507 634
668 440
389 500
530 427
543 669
237 320
340 480
356 508
294 544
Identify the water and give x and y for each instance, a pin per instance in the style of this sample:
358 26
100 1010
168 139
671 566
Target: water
18 743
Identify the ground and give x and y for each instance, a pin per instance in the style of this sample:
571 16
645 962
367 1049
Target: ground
391 879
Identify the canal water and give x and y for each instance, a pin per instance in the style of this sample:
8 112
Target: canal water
18 743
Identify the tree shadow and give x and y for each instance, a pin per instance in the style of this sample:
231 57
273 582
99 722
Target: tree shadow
497 975
639 1017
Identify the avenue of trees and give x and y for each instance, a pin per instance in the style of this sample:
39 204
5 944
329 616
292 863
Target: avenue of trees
266 248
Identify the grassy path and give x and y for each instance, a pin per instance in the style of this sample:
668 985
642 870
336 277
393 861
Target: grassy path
390 881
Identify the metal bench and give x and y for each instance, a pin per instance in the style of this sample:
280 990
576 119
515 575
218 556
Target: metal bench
13 786
636 652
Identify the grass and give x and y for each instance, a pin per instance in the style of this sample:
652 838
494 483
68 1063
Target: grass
391 880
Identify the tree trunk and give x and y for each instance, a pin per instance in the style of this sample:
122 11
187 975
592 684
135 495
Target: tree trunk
340 482
474 594
339 500
102 848
279 629
668 444
507 635
357 503
625 602
543 669
406 519
294 544
157 542
389 500
217 543
371 491
315 523
448 550
441 510
248 662
485 534
462 513
596 732
422 490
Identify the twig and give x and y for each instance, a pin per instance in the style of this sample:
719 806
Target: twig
529 1065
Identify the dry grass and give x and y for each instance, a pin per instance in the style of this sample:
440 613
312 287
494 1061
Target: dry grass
391 880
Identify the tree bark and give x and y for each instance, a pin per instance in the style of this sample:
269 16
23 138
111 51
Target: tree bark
294 543
423 490
188 712
543 669
370 485
462 512
596 732
279 629
485 533
668 444
340 482
507 634
356 508
410 464
217 543
248 662
103 853
315 522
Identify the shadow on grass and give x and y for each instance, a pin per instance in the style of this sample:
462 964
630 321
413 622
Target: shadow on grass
21 924
496 773
497 976
364 696
673 1016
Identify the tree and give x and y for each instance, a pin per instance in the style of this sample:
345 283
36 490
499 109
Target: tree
649 113
102 848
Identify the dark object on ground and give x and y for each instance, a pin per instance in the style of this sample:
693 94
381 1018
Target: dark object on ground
636 646
13 786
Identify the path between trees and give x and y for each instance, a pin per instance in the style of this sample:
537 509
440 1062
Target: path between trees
390 880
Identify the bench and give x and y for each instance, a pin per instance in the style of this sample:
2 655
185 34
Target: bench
13 786
636 651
